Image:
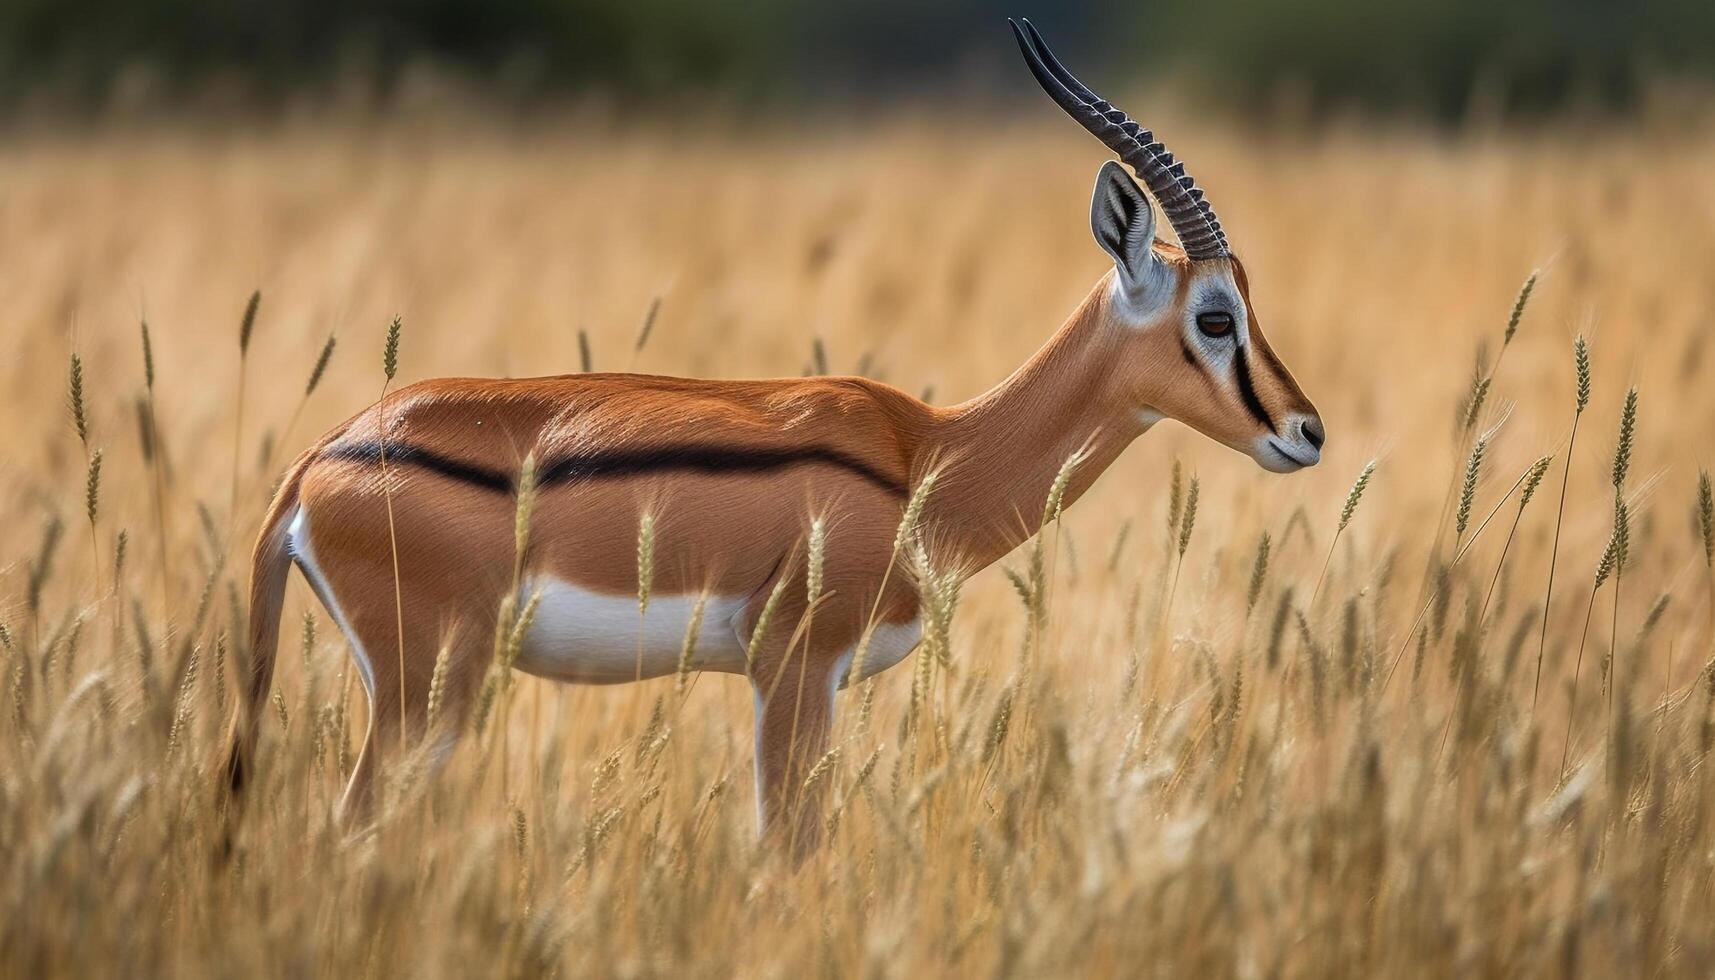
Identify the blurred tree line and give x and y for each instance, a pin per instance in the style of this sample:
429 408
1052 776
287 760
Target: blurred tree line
1429 56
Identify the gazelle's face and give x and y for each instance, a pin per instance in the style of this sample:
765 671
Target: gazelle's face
1190 347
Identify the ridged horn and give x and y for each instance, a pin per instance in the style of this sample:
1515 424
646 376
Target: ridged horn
1181 200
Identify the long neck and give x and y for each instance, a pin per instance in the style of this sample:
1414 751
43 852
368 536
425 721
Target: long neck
1001 451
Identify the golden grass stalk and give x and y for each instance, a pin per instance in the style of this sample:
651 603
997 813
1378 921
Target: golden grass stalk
390 367
688 646
1259 573
246 327
1604 568
1347 511
1581 400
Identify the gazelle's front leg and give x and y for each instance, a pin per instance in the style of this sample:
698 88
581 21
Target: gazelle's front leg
794 695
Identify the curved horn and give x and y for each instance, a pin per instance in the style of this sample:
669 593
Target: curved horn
1181 200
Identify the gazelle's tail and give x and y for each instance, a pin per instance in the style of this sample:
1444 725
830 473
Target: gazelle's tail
269 564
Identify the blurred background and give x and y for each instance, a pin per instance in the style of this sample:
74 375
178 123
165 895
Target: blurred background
1441 60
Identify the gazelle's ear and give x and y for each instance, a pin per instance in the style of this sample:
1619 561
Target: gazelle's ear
1124 225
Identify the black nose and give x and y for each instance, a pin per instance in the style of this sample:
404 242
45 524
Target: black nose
1311 429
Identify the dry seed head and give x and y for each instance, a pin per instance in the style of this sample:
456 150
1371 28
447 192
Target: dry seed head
390 353
648 324
248 324
1533 479
79 415
1190 517
1581 361
585 362
148 357
1474 406
1623 448
1259 572
520 627
913 512
1057 490
92 487
645 560
1356 494
1706 516
438 681
1175 497
524 507
688 648
1622 533
1605 567
321 365
1519 305
761 629
813 574
822 768
1473 469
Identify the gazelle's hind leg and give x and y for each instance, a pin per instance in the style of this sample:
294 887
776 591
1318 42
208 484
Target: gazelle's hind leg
371 630
794 719
385 742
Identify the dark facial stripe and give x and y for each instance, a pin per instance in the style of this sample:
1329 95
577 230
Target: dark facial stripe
1242 372
701 459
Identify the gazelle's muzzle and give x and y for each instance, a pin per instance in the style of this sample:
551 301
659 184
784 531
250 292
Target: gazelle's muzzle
1299 445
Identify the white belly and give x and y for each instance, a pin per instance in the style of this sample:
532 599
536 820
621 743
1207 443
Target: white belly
594 638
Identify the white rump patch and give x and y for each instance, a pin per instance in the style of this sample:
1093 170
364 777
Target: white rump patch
298 538
591 637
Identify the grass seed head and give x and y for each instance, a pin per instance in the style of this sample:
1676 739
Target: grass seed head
1468 491
247 326
92 487
79 414
817 548
1356 494
1259 572
1190 517
585 362
1706 516
321 365
1581 363
1533 479
648 325
1623 447
645 560
148 356
390 352
1519 305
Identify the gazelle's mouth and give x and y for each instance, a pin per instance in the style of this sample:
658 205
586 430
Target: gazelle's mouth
1277 456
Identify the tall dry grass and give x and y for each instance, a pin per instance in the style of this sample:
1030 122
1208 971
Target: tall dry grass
1098 780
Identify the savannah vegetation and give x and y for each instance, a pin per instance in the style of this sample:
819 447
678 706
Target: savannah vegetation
1443 703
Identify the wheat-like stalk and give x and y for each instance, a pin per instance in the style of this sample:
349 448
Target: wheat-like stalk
1623 445
246 327
1347 511
1468 489
1259 572
438 682
645 560
79 412
390 368
1581 400
1518 307
760 631
586 363
1190 521
688 647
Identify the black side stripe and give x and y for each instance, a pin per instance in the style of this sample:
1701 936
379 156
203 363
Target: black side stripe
701 459
1242 369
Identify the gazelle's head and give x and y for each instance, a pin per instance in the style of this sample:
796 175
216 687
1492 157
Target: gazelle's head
1192 349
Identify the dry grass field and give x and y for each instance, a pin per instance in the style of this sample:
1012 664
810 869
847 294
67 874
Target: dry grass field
1187 766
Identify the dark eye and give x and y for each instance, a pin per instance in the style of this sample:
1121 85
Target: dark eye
1215 324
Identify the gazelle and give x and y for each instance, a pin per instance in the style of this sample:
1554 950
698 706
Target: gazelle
733 473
